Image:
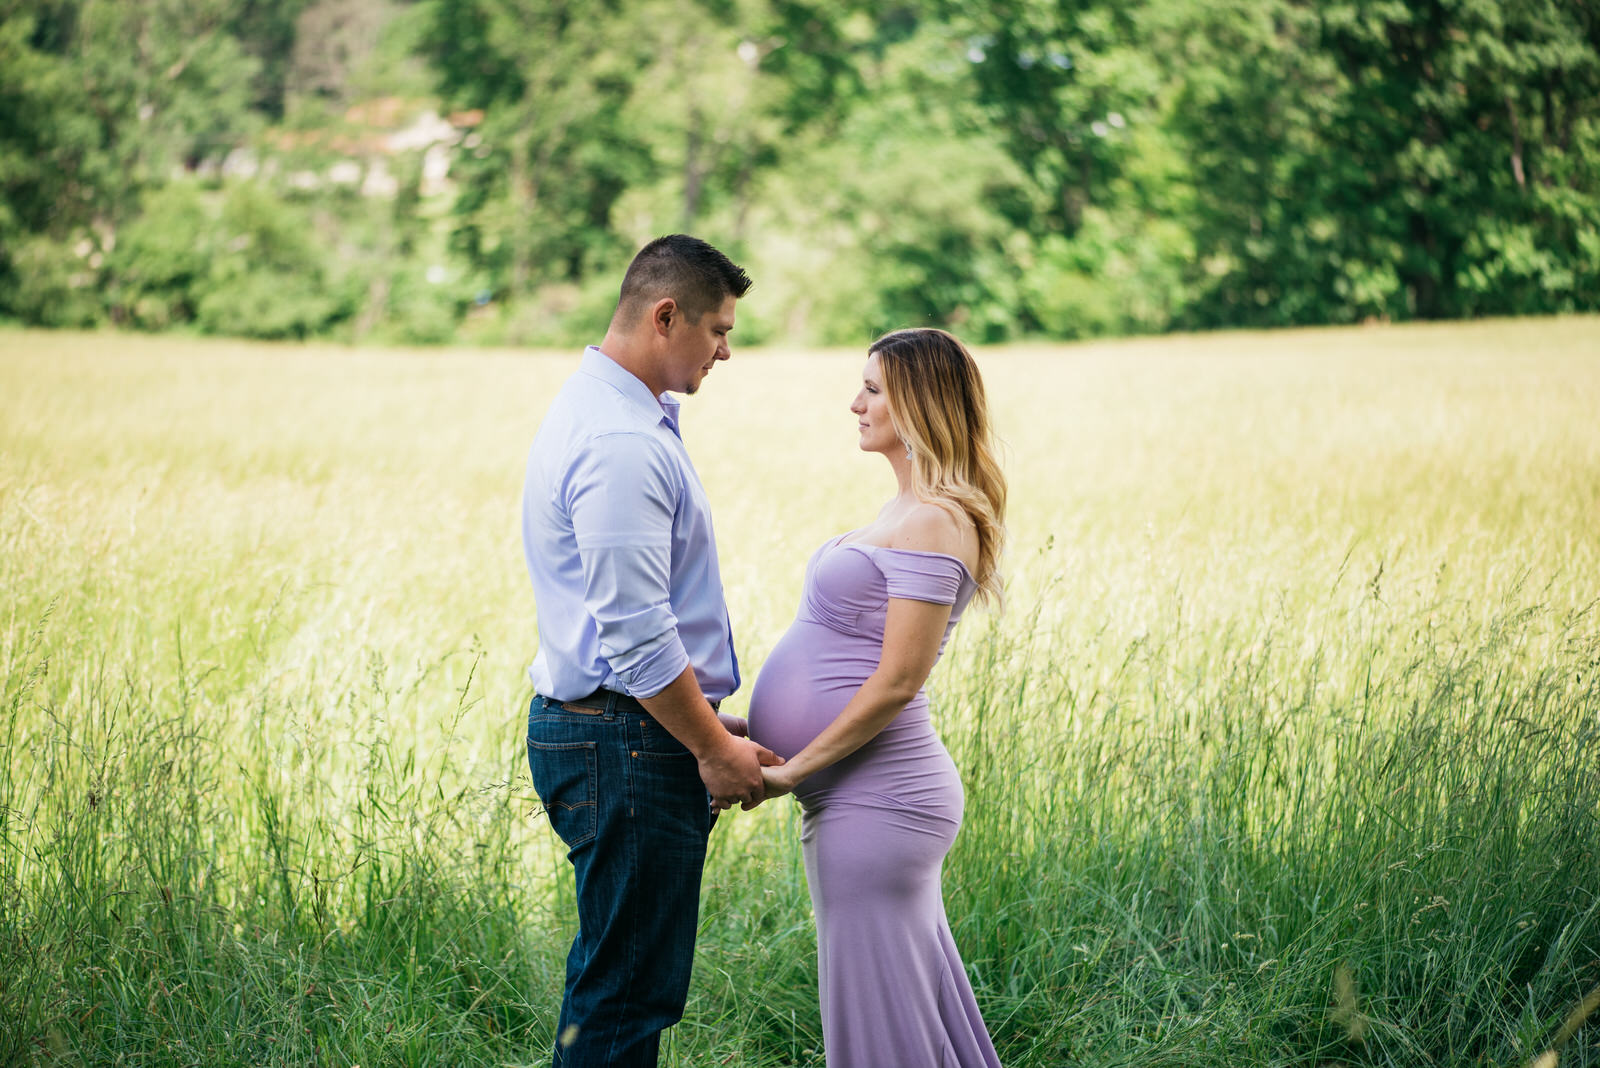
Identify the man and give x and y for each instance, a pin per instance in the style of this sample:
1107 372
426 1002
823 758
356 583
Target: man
626 747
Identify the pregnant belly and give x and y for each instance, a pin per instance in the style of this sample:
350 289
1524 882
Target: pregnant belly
808 678
805 683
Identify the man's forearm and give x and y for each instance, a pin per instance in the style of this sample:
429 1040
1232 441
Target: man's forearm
686 714
730 766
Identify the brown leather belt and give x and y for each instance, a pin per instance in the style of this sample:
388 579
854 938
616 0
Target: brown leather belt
604 700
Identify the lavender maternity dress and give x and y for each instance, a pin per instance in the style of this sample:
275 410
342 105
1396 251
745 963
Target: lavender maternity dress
878 823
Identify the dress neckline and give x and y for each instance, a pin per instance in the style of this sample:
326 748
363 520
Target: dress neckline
864 546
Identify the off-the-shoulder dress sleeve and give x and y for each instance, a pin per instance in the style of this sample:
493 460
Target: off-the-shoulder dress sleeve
919 576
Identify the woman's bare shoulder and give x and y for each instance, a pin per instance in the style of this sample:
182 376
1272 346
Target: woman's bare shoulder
936 528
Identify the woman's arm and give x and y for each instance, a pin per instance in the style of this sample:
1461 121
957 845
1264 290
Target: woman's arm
912 633
911 636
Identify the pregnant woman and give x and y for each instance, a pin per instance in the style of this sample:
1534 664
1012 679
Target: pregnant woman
841 697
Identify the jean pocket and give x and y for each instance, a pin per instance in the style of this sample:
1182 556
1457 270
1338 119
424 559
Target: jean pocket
658 743
564 779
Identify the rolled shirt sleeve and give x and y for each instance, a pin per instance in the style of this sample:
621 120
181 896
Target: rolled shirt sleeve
621 499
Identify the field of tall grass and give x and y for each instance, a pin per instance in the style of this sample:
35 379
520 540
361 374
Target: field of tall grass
1285 749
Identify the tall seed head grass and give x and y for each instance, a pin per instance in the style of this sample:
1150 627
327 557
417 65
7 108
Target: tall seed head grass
1281 753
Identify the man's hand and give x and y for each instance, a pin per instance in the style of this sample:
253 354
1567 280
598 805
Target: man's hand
732 773
730 763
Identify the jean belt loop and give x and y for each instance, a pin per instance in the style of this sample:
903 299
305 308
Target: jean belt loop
611 705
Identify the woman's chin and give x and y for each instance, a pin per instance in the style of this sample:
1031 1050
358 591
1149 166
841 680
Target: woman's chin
866 444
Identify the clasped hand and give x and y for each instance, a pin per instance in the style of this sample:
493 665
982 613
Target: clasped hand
735 774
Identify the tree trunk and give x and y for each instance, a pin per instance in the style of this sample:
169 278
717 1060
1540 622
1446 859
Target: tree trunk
694 169
522 193
1516 145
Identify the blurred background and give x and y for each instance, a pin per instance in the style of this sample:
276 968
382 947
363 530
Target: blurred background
478 171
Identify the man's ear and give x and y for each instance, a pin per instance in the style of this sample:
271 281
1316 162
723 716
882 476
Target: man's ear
662 314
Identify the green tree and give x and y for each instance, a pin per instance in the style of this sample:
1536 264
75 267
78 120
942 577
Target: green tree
51 175
688 116
553 153
1395 159
99 101
162 259
168 84
1079 95
1065 80
1256 101
900 203
266 31
267 277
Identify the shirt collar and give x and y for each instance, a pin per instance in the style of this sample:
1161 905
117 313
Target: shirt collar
598 365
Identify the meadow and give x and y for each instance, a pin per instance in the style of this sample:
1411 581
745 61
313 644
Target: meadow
1284 750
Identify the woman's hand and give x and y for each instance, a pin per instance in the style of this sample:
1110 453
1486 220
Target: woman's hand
779 781
737 726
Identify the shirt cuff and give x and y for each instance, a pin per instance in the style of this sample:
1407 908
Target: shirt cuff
656 671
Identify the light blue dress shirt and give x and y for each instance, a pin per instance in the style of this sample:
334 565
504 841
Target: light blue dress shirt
617 533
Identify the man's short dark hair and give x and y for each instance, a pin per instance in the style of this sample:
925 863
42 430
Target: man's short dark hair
684 268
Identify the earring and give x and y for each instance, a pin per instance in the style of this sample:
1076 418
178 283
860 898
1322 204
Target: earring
907 444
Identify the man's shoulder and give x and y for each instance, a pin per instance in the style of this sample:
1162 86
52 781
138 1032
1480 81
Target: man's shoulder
587 407
581 432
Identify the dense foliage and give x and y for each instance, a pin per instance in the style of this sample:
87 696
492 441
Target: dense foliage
1004 167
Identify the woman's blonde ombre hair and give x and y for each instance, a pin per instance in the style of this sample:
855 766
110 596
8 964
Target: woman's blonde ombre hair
937 401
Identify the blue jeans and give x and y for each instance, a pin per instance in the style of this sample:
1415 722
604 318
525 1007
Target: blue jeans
626 798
